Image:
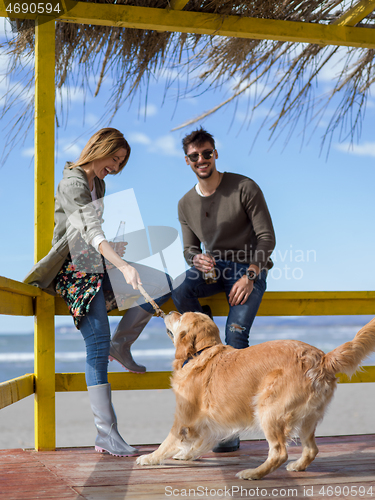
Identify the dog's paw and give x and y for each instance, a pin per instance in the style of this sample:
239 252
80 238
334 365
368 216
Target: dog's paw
180 456
184 456
249 474
296 466
149 459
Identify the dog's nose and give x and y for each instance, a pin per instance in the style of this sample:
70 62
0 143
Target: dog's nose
172 312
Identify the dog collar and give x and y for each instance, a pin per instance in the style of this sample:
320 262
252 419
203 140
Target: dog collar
192 357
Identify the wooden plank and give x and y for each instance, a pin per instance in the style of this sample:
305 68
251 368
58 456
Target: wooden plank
14 304
44 171
66 382
178 4
173 20
18 287
365 374
282 304
356 14
311 306
44 363
119 381
345 461
213 24
16 389
29 478
44 335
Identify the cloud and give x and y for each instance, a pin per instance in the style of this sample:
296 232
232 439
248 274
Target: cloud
69 148
28 152
139 138
4 59
72 150
5 30
149 110
70 94
165 144
167 75
3 90
91 119
259 113
365 149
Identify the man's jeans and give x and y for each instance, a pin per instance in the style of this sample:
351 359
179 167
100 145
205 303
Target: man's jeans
94 327
241 317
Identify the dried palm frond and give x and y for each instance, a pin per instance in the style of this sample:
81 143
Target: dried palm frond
282 74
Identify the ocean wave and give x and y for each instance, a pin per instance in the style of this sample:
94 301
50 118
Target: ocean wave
19 357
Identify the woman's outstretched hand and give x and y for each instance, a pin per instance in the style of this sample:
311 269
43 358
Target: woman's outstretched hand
130 273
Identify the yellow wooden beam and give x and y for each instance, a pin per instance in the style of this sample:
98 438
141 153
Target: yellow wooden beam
66 382
364 374
16 389
126 16
213 24
356 14
18 287
178 4
44 335
44 172
282 304
16 305
44 369
317 303
17 298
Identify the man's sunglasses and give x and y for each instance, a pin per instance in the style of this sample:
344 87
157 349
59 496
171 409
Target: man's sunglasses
207 155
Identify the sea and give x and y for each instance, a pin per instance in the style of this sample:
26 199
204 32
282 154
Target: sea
155 350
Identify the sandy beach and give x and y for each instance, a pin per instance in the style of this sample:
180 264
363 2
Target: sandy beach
145 417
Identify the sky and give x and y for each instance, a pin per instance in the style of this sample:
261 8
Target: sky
322 206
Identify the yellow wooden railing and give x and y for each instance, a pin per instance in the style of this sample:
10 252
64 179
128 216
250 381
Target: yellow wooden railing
25 300
19 299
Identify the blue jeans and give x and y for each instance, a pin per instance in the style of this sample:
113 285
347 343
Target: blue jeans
240 317
95 329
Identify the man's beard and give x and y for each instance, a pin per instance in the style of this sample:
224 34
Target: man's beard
205 175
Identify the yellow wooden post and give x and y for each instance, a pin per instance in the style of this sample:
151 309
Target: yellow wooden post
44 332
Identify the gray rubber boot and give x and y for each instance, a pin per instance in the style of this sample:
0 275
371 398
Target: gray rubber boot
127 332
108 438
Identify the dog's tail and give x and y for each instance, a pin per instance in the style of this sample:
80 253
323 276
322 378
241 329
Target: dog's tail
347 357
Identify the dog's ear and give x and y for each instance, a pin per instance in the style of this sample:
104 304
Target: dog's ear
185 345
206 333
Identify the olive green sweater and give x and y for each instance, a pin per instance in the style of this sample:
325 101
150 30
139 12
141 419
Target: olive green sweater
234 222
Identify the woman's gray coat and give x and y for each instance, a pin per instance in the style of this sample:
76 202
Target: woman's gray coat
75 214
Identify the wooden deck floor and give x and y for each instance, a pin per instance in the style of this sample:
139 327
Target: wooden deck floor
344 468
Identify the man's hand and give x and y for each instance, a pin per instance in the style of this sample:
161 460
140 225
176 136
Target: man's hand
203 262
241 291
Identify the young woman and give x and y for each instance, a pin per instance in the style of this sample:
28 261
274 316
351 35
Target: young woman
83 268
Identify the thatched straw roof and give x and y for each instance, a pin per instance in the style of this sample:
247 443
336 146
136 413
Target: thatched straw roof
282 72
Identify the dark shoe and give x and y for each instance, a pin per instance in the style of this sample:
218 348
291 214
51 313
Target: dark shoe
207 310
227 445
127 332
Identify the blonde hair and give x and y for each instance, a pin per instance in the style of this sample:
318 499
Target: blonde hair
103 144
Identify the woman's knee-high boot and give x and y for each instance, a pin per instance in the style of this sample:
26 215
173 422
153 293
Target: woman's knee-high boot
127 332
108 438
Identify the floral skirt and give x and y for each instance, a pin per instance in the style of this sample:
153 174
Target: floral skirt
78 288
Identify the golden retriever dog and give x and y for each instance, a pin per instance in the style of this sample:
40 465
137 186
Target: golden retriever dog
281 386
